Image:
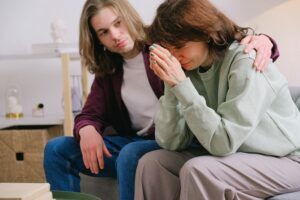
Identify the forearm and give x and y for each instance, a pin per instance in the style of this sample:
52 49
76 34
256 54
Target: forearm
93 112
203 122
171 130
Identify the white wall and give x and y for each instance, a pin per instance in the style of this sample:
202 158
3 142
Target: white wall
277 18
24 23
27 22
282 23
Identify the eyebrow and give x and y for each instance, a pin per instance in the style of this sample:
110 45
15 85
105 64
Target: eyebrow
104 29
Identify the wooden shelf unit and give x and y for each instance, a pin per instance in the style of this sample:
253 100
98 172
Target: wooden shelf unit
66 55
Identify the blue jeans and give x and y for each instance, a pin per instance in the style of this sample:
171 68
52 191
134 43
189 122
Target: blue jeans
63 162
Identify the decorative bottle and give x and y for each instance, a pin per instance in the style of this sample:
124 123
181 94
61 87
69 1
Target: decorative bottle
14 109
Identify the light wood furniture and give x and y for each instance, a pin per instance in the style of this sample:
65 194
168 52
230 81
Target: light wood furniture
66 54
25 191
22 152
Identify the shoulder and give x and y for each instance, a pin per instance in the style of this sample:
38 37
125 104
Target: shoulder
237 63
236 60
236 52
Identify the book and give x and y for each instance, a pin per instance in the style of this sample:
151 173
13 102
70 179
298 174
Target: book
45 196
25 191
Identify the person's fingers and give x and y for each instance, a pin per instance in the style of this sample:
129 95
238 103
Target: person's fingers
262 58
94 162
162 49
263 46
100 160
106 151
85 160
249 43
158 70
258 60
160 62
246 39
151 63
249 47
162 53
263 65
88 159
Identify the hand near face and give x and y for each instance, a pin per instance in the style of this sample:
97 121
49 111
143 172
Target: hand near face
263 46
165 65
92 148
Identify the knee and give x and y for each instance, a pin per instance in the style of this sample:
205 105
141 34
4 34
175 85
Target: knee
129 154
129 150
147 159
199 165
54 145
50 146
154 160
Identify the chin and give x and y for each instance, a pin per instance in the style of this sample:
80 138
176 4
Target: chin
127 48
190 68
187 67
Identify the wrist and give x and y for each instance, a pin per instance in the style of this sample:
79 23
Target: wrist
178 81
85 129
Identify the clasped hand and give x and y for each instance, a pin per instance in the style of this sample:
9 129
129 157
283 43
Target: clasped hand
165 65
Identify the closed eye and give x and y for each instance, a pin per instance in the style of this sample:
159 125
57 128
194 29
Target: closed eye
118 23
102 33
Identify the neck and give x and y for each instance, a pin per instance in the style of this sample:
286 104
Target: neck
131 54
207 64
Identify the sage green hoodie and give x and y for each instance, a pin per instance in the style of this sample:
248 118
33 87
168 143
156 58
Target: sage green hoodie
231 107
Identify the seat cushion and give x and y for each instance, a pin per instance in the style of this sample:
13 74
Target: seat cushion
295 93
287 196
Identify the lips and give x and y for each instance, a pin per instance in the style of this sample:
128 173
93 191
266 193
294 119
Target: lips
122 43
185 64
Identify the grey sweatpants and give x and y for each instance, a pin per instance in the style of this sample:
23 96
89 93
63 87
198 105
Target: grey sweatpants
169 175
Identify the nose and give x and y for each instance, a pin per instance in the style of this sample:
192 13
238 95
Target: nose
115 33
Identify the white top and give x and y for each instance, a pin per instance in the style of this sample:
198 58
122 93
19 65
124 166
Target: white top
138 95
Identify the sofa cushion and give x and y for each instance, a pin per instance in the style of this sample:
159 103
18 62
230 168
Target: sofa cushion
295 93
287 196
298 103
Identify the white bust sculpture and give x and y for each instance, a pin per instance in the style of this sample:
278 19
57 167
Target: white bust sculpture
58 31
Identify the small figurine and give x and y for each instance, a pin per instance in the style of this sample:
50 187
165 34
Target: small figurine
58 31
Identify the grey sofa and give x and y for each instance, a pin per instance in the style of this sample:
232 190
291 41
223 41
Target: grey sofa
106 188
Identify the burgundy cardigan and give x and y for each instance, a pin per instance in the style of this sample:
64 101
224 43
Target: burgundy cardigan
104 106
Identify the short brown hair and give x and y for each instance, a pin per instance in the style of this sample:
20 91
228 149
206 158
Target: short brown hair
180 21
94 56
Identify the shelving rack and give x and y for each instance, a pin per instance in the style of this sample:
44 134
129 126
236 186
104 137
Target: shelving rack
67 53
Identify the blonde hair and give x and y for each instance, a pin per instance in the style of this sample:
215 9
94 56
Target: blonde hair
98 60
